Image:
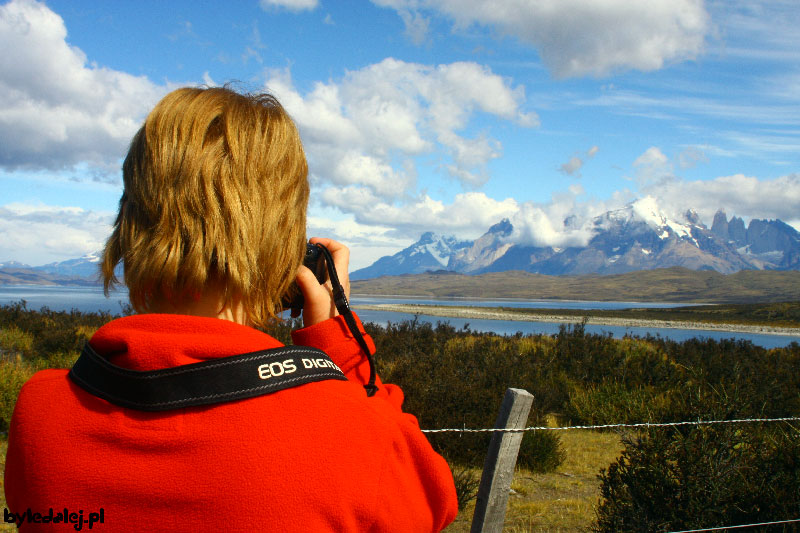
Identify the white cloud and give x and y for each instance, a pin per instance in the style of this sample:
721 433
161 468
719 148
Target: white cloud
691 157
744 196
366 128
40 234
535 226
579 37
562 222
291 5
367 242
573 166
575 163
468 216
759 30
652 167
57 109
208 80
417 25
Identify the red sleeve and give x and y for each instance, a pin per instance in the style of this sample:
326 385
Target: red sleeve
416 486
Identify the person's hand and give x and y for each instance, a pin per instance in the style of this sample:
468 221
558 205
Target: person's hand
318 299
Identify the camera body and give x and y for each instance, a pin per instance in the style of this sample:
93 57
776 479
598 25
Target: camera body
315 262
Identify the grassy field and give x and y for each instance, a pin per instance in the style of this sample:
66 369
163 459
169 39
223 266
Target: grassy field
560 501
3 446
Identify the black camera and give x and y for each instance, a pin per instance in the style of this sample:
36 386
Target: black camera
314 260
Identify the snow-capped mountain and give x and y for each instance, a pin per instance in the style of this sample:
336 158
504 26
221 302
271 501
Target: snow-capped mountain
638 236
13 264
431 252
85 267
82 271
482 253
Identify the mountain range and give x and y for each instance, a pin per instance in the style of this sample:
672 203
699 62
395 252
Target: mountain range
80 271
636 237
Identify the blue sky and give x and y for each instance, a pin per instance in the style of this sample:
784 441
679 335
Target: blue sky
416 115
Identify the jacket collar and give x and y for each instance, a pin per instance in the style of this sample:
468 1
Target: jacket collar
154 341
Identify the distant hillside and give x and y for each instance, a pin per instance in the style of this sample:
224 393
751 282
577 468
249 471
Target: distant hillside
82 271
676 284
31 276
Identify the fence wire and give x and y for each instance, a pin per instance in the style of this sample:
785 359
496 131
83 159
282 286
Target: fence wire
742 526
644 425
611 426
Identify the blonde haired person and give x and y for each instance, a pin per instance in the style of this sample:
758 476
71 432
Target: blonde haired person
211 234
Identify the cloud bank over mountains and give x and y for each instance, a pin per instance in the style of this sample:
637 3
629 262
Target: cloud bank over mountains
55 232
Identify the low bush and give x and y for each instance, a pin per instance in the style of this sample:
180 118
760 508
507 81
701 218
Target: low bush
467 483
704 477
457 378
15 342
13 374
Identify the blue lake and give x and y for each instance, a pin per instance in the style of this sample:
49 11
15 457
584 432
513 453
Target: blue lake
91 299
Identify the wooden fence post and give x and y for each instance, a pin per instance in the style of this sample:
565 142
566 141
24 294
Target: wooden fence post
501 458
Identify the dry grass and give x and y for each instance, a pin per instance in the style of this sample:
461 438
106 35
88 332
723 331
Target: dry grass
561 501
3 446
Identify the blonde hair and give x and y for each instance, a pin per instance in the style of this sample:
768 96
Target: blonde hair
215 193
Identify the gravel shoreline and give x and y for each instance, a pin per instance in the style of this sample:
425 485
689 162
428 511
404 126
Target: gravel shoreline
494 314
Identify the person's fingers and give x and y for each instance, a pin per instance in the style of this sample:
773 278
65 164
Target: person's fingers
341 260
318 302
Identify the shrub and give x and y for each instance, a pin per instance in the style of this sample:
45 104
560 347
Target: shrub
708 476
14 341
13 374
467 484
540 451
457 378
610 402
52 332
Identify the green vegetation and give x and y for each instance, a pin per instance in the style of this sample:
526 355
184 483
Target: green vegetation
660 285
35 340
700 476
704 477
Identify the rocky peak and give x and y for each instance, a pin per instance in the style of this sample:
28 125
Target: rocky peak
736 231
693 218
720 225
502 228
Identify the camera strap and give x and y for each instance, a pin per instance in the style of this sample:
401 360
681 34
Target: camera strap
208 382
342 305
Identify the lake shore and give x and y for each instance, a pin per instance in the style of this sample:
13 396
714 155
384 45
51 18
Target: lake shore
478 313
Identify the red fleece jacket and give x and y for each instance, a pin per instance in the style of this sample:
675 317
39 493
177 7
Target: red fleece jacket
318 457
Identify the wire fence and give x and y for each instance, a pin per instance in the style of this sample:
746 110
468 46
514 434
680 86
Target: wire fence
637 425
741 526
645 425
